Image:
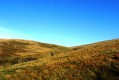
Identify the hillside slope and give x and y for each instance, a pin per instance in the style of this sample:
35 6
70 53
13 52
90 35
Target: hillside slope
97 61
16 50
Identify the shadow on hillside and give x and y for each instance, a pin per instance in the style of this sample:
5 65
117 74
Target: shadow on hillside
108 73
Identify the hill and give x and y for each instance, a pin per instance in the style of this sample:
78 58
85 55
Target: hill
13 51
97 61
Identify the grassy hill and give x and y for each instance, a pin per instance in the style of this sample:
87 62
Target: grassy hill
97 61
13 51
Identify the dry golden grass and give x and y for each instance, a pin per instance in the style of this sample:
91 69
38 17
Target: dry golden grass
24 50
98 61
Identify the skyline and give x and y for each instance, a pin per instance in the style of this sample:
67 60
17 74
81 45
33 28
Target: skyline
61 22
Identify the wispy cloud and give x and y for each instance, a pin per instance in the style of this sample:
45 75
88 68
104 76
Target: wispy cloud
11 34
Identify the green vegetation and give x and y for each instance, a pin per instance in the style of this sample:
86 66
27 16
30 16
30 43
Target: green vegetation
97 61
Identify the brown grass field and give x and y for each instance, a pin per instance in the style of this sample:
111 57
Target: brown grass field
30 60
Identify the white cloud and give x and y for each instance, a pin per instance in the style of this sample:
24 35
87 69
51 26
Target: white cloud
7 33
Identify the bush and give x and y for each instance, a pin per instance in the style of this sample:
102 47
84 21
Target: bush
52 54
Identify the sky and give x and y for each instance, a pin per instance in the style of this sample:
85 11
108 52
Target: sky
62 22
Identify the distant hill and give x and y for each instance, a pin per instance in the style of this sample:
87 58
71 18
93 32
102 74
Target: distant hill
97 61
12 50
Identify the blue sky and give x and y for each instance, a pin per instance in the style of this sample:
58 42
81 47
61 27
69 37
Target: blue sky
62 22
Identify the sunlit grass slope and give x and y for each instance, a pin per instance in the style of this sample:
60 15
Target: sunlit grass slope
97 61
13 51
